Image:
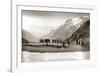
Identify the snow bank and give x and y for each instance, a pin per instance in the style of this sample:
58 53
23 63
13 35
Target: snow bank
36 56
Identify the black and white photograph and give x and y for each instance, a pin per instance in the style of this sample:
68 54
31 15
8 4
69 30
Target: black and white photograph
54 36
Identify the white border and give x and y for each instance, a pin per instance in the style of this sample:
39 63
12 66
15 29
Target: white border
17 66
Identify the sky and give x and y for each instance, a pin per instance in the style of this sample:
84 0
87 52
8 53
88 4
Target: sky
40 23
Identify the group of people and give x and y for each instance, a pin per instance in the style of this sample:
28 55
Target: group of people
63 42
80 42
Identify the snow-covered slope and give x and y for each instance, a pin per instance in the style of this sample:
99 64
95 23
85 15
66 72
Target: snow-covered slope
66 30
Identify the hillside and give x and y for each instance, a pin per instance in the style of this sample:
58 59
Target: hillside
82 33
66 30
27 36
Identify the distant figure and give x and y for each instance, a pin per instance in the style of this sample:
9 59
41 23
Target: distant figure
77 42
63 44
57 41
53 41
47 41
82 43
41 40
68 42
60 41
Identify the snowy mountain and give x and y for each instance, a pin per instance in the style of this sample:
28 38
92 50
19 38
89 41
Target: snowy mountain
66 30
